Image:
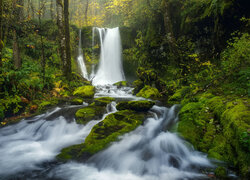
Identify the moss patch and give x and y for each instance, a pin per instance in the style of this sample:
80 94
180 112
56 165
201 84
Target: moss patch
218 126
149 93
135 105
103 134
77 101
85 92
103 101
121 84
89 113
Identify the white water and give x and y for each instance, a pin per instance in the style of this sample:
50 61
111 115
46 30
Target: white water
110 68
80 58
148 153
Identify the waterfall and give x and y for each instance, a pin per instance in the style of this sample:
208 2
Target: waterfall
80 58
110 68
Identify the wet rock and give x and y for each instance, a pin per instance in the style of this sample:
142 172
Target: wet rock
121 84
85 92
149 93
135 105
103 133
76 101
86 114
103 101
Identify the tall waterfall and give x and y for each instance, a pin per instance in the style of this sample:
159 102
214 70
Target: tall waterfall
110 66
80 58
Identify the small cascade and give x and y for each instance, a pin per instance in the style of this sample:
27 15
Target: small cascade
80 58
110 68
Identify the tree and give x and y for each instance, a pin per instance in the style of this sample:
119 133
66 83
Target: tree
18 15
67 65
1 41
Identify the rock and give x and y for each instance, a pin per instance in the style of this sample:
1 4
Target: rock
138 85
76 101
85 92
89 113
103 101
121 84
135 105
221 172
103 133
149 93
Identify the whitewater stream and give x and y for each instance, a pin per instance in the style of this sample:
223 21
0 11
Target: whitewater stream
153 151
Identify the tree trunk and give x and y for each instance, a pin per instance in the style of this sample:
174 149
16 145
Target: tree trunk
60 24
1 41
67 67
32 9
51 10
169 28
16 51
43 61
86 13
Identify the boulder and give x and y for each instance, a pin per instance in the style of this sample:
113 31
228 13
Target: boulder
135 105
149 93
85 92
86 114
102 134
121 84
103 101
76 101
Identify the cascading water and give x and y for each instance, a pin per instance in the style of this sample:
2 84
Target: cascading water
80 58
110 68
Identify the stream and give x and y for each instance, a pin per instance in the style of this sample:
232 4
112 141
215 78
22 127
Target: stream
151 152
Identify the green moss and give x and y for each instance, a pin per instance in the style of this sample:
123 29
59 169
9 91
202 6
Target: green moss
138 85
85 92
135 105
103 101
103 134
77 101
89 113
218 126
149 93
179 94
221 172
121 84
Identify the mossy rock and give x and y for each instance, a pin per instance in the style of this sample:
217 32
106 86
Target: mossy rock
86 114
77 101
149 93
103 133
85 92
47 104
138 85
103 101
135 105
179 94
221 172
121 84
219 127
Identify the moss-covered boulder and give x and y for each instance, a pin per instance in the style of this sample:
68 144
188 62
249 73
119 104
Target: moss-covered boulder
135 105
85 92
103 101
218 126
76 101
103 133
138 85
121 84
149 93
179 95
86 114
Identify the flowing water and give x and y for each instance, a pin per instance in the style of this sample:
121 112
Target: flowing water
110 68
28 149
80 58
151 152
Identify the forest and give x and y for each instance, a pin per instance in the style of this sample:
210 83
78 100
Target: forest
89 75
